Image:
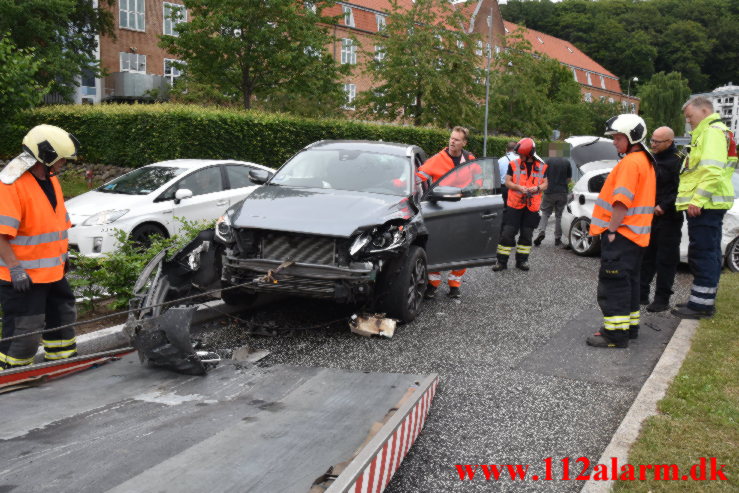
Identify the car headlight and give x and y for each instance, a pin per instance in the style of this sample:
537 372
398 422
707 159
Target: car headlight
105 217
359 243
380 239
224 229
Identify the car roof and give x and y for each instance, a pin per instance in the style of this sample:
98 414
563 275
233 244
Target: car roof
578 140
394 148
196 163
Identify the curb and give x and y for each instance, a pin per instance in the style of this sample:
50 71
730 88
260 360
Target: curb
115 338
645 404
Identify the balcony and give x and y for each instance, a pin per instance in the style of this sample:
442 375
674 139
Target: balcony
131 86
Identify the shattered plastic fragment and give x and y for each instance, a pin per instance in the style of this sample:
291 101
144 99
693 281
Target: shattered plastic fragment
372 324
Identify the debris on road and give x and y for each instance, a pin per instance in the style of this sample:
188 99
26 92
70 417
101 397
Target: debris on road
244 354
373 324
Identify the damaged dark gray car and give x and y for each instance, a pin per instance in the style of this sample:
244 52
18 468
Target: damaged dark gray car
349 221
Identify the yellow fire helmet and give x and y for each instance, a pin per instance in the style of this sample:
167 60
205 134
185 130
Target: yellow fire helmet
45 144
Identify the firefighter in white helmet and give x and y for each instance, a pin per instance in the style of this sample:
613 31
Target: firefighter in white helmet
34 293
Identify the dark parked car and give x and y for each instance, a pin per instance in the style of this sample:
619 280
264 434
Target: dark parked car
349 221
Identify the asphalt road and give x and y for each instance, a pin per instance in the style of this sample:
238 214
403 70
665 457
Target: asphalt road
518 384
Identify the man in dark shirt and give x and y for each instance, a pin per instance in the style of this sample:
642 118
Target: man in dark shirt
663 253
559 173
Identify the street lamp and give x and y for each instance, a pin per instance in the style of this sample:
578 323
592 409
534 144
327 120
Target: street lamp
487 84
628 90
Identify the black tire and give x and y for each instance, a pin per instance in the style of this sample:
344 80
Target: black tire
143 234
732 255
237 296
580 240
402 285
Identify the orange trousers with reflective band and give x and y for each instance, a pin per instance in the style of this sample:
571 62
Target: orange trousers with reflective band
454 280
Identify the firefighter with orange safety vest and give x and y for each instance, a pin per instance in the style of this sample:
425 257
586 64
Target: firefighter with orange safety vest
526 180
622 217
34 222
431 171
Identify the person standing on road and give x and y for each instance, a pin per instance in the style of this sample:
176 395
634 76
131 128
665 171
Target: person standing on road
663 253
431 171
622 216
34 293
526 179
559 175
705 193
503 164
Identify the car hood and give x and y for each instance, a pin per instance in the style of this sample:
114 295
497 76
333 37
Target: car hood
317 211
90 203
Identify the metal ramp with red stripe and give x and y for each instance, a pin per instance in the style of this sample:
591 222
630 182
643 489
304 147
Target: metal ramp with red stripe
123 427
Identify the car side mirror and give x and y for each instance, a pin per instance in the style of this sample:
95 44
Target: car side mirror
259 176
446 194
181 194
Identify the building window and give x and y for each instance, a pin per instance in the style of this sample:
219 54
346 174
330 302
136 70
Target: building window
574 74
348 16
170 71
478 49
381 22
173 14
350 90
602 82
348 52
379 53
133 62
131 15
588 97
610 100
590 82
310 6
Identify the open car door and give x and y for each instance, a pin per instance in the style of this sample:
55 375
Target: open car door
464 233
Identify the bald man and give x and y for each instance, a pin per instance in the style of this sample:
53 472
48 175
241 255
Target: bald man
663 253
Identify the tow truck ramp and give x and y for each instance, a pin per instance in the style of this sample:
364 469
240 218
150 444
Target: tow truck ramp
122 427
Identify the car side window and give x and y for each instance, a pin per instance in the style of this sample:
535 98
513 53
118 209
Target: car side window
595 184
238 176
204 181
475 178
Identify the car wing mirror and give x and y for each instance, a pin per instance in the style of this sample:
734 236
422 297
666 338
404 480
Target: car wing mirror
446 194
259 176
181 194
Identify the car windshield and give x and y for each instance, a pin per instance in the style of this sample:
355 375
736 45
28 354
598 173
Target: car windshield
141 181
344 169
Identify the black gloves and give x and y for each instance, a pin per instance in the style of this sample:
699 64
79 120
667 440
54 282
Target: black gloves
20 279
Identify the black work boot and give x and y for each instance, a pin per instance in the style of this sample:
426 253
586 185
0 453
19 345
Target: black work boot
539 239
454 292
522 262
634 332
600 339
502 263
659 304
557 242
689 313
430 292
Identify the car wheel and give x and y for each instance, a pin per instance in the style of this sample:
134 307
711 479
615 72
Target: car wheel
732 255
402 285
580 240
236 296
142 235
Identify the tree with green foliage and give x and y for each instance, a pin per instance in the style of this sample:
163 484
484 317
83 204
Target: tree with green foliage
61 33
662 99
430 71
260 50
19 88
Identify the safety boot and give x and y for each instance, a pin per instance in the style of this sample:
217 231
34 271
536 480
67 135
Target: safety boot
689 313
523 265
539 239
557 242
454 292
430 292
599 339
658 305
502 263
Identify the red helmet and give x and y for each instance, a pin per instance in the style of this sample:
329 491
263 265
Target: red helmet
525 147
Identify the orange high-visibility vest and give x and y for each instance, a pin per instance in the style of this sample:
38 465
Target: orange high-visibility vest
441 163
519 200
633 183
38 233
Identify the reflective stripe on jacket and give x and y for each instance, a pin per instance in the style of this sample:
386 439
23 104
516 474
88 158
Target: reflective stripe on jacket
705 181
632 182
37 232
519 200
441 163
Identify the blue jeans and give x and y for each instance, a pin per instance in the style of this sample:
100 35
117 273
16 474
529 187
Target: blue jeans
705 257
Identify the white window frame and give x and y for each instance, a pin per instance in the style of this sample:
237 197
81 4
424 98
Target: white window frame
126 60
610 100
574 73
602 82
588 97
137 13
172 75
381 22
167 20
379 53
348 15
478 48
350 90
348 52
590 82
311 6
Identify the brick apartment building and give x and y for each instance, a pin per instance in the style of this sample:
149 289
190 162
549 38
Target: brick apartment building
135 64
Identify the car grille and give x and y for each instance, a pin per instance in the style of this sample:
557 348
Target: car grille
300 248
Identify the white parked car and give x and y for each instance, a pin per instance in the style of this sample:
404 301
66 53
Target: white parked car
147 201
576 219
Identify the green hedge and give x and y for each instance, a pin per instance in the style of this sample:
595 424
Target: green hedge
135 135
